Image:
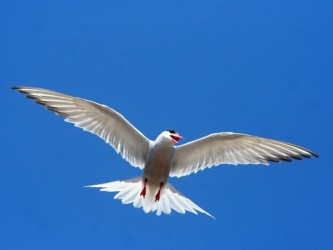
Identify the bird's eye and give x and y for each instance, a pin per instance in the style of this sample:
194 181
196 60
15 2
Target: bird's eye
172 131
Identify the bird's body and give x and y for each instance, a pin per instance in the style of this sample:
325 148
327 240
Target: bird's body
161 159
158 161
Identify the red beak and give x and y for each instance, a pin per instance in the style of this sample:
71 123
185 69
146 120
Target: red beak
175 138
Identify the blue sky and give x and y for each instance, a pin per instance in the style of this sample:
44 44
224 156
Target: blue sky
256 67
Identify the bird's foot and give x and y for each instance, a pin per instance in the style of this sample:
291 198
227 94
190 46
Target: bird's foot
143 192
158 195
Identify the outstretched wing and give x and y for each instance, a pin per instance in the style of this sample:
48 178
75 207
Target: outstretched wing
232 148
97 119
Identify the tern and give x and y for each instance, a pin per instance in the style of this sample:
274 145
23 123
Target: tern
161 158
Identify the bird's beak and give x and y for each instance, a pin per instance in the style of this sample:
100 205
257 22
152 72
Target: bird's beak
175 138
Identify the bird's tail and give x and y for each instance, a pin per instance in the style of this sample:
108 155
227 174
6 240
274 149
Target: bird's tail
129 192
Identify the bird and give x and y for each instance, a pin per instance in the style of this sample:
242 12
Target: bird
163 157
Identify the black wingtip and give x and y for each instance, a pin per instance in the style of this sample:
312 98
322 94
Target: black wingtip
271 159
19 89
289 158
296 157
314 154
310 153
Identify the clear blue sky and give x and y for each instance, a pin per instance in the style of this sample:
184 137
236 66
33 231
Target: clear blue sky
256 67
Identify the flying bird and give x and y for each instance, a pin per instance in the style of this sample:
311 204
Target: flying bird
161 158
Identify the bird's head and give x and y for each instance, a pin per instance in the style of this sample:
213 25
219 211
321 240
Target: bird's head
173 135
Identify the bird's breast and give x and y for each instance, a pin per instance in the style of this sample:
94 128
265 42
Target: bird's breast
158 163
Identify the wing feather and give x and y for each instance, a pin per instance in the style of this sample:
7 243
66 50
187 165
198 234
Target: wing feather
232 148
97 119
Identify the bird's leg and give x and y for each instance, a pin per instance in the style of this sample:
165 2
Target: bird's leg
157 196
143 192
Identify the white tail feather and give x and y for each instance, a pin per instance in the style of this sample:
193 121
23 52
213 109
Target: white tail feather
129 192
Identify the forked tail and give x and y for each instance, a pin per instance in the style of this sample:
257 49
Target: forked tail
129 192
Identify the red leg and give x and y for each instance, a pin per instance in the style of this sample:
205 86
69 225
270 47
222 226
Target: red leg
158 195
143 192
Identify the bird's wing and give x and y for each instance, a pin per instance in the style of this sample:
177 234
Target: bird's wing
232 148
97 119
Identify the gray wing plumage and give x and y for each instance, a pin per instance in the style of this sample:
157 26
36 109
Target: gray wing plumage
232 148
97 119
